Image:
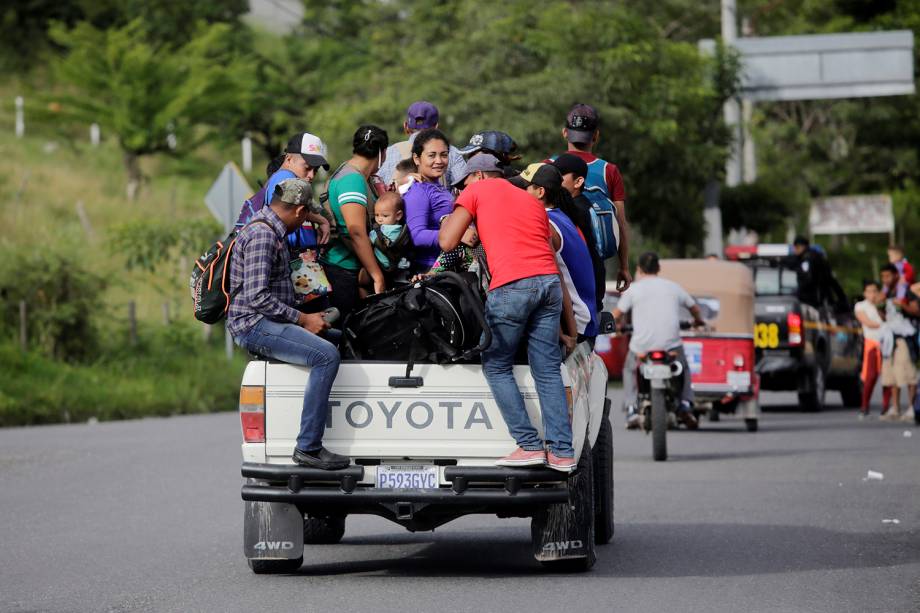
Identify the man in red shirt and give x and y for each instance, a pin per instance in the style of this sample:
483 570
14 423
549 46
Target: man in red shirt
581 132
526 299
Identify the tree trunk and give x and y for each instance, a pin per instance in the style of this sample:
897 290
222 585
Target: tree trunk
133 168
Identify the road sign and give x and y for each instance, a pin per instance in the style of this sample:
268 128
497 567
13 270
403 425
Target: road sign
227 194
822 66
868 214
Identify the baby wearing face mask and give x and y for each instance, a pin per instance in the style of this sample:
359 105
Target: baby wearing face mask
389 236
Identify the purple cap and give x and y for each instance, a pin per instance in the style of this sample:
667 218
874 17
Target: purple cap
421 115
581 123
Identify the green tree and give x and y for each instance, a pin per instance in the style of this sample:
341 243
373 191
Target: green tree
506 66
24 24
144 92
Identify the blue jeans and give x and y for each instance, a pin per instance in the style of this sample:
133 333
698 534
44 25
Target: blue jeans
290 343
529 309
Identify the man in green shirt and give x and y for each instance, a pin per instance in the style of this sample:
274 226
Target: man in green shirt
351 202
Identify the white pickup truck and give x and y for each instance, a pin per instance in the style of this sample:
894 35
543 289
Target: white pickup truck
423 451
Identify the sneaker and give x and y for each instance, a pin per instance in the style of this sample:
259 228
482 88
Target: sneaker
523 457
685 416
890 415
322 458
908 416
565 465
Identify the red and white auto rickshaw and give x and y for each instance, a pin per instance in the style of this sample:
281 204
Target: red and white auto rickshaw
721 357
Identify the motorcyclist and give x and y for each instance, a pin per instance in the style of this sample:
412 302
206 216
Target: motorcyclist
655 304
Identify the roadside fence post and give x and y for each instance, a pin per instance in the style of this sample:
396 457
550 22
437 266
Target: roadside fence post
20 118
166 313
23 326
94 135
247 153
132 323
84 221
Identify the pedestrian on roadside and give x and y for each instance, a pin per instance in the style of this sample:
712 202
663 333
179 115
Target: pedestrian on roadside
582 133
420 115
905 272
303 156
351 200
899 369
525 302
873 327
263 320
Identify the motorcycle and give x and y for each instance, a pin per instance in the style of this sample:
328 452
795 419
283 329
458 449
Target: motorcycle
660 381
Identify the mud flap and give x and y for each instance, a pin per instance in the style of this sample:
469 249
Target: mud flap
272 531
566 531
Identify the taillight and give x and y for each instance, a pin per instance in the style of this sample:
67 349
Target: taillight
738 362
656 356
252 413
794 326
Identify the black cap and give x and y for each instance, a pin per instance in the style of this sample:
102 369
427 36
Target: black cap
569 163
581 123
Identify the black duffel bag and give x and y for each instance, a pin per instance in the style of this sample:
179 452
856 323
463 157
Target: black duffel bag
439 319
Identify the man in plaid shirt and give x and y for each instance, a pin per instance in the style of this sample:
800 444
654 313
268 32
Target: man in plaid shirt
262 320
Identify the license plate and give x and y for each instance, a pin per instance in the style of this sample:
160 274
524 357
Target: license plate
739 379
656 371
407 477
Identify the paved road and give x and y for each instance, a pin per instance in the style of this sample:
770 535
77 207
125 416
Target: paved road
145 516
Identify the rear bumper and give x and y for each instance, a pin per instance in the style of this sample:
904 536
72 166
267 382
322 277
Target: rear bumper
492 487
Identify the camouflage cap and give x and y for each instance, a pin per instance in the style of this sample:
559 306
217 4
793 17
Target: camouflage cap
297 192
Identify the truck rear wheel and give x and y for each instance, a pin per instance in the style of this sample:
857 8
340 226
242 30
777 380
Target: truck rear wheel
272 567
811 399
602 456
323 530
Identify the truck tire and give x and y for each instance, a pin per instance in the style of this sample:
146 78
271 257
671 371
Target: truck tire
323 530
851 392
659 426
273 567
602 457
812 399
581 499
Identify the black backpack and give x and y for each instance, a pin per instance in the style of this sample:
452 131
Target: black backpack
439 319
210 280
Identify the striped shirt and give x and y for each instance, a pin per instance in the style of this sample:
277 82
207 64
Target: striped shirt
260 268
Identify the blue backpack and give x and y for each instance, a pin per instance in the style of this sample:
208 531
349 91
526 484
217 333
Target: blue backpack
603 211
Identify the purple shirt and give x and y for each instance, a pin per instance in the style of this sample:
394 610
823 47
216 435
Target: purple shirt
426 204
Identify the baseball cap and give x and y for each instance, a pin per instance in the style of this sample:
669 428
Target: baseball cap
495 142
581 123
310 147
542 175
294 191
568 163
421 115
484 162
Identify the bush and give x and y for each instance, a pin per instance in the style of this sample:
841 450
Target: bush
161 380
62 299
